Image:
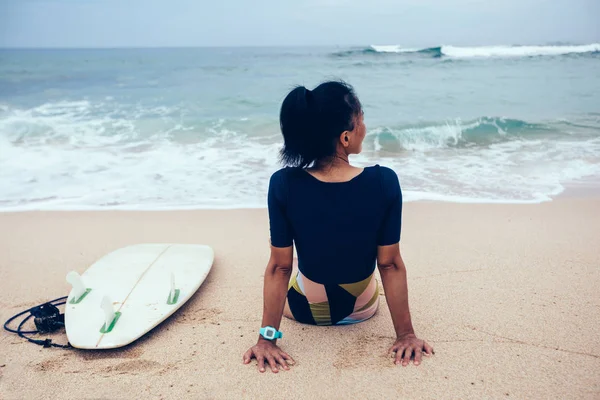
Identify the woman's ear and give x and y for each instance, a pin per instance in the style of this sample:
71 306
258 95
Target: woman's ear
345 138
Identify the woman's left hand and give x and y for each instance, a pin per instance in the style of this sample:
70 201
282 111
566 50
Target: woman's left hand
408 344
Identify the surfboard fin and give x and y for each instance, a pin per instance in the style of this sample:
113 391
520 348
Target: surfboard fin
79 289
110 316
174 293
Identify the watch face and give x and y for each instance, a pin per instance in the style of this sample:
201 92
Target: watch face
269 333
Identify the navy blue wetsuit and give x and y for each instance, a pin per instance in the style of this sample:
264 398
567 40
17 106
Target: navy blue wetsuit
336 228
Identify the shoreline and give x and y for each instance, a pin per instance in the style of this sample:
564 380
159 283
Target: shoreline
506 294
581 189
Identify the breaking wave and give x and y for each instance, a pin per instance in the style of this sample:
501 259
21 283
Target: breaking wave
475 52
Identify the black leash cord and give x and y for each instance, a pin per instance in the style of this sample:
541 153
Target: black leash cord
45 342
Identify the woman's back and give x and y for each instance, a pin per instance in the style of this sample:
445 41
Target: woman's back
336 226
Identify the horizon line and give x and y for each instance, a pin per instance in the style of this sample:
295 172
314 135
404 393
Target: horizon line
265 46
134 47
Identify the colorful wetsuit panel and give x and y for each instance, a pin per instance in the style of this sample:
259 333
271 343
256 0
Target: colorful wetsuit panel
317 304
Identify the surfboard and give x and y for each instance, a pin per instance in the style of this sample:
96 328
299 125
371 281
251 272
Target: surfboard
130 291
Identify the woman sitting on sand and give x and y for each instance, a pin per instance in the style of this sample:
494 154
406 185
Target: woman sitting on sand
342 220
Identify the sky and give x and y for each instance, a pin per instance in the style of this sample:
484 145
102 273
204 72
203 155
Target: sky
166 23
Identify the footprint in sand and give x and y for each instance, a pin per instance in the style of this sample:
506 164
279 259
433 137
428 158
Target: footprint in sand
51 364
368 351
133 367
200 315
127 352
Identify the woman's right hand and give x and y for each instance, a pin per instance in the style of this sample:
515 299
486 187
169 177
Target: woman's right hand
265 350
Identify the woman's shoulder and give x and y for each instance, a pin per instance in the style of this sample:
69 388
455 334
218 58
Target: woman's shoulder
388 175
388 179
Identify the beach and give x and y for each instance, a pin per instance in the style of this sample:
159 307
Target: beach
506 293
117 132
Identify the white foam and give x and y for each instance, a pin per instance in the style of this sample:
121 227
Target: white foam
62 156
392 49
517 171
432 137
495 51
517 51
68 155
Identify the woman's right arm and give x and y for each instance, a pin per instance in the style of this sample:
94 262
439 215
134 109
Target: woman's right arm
277 277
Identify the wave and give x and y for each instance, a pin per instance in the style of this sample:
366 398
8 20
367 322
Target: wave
393 49
431 51
86 155
518 51
80 125
476 52
483 131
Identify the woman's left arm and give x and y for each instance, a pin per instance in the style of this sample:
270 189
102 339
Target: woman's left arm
393 277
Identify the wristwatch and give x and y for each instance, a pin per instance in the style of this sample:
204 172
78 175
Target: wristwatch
270 333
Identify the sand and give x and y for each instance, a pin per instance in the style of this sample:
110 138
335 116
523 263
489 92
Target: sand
507 294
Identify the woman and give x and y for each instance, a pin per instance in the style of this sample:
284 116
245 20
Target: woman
342 220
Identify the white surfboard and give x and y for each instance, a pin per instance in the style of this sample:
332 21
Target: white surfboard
131 290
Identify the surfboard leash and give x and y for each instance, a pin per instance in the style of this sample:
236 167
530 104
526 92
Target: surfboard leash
46 317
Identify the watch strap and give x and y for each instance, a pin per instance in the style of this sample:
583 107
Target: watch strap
278 334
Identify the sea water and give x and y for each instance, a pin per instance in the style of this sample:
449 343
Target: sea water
198 127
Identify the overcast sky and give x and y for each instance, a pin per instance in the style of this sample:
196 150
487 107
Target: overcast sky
118 23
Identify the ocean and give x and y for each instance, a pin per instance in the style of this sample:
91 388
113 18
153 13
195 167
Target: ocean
192 128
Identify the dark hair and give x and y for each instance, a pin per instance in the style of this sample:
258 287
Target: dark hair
312 121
